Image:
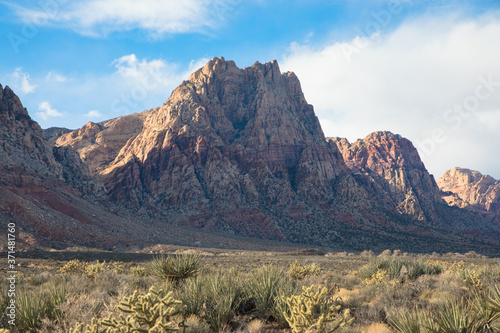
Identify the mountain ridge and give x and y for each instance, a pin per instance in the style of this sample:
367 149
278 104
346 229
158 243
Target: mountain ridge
240 151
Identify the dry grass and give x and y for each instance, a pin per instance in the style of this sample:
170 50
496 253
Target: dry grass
226 296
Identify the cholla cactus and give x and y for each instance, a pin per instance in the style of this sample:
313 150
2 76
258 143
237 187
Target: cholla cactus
91 270
376 278
299 272
94 327
147 313
311 311
72 267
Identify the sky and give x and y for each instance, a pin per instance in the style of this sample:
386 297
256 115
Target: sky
428 70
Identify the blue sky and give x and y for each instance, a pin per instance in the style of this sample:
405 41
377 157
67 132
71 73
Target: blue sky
427 70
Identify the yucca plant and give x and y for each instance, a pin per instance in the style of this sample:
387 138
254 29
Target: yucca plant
416 321
191 294
223 295
266 284
30 311
177 267
458 316
487 307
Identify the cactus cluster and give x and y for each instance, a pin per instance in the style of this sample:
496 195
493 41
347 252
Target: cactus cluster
312 311
150 312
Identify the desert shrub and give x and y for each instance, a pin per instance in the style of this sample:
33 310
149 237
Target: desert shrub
177 267
314 311
266 284
223 294
299 272
457 316
397 268
194 324
487 307
39 279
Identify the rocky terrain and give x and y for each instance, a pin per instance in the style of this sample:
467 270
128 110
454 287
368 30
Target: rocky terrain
394 171
472 190
233 152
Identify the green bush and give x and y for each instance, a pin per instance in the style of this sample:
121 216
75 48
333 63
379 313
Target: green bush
176 267
415 321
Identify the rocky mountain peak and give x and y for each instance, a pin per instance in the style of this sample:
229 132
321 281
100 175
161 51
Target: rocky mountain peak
470 189
393 163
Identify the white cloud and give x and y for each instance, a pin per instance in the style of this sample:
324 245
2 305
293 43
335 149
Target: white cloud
138 82
94 114
55 77
408 81
100 17
21 81
47 111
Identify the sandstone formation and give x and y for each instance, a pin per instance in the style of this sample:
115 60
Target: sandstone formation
99 144
394 171
48 192
242 152
231 151
472 190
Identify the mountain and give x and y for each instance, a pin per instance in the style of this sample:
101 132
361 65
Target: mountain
50 195
240 151
472 190
394 173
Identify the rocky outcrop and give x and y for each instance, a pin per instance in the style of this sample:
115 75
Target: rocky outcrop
98 144
228 147
394 173
472 190
53 133
24 152
48 192
231 151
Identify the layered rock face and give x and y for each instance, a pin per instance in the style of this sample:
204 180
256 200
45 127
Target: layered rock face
472 190
47 191
99 144
394 173
241 151
227 145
